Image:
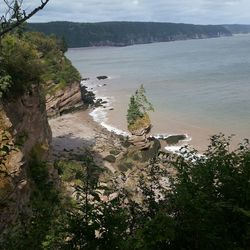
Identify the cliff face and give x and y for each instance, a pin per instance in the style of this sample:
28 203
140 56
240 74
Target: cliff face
64 100
72 97
23 128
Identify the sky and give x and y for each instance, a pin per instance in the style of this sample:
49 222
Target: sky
178 11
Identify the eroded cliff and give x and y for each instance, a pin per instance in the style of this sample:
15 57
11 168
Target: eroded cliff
24 131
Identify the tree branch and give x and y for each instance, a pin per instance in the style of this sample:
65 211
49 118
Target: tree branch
7 28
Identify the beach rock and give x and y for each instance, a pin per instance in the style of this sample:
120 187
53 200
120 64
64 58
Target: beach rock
88 97
135 158
110 158
98 103
86 79
174 139
101 77
152 150
139 142
114 152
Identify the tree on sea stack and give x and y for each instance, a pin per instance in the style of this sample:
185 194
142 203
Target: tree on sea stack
137 116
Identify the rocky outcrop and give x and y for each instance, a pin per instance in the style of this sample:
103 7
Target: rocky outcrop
101 77
139 138
64 100
23 128
72 97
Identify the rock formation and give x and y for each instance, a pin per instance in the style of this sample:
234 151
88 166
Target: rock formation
23 128
71 97
139 138
63 100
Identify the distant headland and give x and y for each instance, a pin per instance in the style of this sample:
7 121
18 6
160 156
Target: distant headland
127 33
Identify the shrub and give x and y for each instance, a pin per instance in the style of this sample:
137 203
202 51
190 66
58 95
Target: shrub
20 65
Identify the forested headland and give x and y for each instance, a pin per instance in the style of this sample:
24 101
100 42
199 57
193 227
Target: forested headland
126 33
238 28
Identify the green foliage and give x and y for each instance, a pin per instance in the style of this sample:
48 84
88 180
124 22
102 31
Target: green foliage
137 110
207 208
211 198
20 65
5 82
57 69
34 58
133 111
31 233
142 101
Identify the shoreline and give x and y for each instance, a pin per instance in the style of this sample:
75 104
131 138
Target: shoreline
196 137
77 131
100 116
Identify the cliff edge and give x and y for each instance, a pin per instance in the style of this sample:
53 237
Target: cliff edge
24 130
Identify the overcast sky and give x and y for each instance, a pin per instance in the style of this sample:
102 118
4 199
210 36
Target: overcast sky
187 11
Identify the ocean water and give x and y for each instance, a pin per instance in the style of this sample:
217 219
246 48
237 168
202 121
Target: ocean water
197 87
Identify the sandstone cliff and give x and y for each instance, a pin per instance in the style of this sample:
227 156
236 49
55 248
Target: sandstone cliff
23 128
64 100
72 97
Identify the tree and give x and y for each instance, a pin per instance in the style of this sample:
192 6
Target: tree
139 105
210 202
12 17
15 16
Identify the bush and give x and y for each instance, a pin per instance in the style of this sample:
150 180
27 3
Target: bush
208 206
20 65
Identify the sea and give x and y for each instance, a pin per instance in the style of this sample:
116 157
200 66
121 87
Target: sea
197 87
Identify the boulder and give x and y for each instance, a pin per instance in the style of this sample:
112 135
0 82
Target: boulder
101 77
174 139
110 158
85 79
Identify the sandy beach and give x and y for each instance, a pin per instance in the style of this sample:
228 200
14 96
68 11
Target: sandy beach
73 132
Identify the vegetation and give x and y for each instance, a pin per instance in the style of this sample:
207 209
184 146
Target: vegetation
15 15
57 69
21 65
204 205
34 58
238 28
137 116
45 206
208 207
125 33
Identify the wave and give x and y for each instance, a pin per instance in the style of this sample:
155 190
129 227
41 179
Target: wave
167 136
99 115
114 130
174 149
178 151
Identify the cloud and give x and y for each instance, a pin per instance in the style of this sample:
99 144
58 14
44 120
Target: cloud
188 11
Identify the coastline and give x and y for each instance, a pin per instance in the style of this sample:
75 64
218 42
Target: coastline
100 116
195 136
